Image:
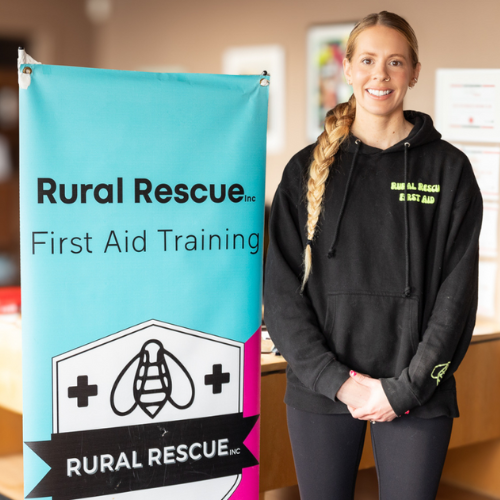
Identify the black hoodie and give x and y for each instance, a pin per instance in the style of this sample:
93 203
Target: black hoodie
393 289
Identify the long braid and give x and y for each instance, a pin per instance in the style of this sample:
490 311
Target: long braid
337 125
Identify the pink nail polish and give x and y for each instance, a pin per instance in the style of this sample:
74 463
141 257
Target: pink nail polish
406 412
353 373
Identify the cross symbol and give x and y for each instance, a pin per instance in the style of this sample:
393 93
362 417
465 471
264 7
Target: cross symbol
216 379
82 391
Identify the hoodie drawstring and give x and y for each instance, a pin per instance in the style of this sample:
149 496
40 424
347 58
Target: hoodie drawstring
407 235
331 252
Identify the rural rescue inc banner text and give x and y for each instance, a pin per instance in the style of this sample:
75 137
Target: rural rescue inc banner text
142 208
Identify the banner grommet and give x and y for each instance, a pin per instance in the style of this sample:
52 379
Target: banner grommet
264 82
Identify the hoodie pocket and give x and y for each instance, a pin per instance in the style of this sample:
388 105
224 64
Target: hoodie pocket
375 334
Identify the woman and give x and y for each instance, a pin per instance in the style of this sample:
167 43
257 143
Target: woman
371 279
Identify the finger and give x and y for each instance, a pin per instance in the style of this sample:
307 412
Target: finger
358 377
363 380
382 416
368 413
365 418
361 413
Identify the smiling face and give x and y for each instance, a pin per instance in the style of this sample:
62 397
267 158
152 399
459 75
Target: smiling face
380 71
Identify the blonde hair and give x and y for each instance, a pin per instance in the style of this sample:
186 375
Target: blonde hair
337 127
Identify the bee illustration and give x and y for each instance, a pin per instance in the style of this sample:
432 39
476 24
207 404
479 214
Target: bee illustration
152 382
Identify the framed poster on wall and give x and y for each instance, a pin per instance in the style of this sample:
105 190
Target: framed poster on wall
326 84
468 104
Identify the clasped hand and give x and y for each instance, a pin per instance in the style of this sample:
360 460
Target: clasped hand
365 398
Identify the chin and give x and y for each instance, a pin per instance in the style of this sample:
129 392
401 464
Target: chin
382 109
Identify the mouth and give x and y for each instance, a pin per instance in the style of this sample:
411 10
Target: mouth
379 93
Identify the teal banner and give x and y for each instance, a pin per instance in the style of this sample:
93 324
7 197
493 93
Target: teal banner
142 209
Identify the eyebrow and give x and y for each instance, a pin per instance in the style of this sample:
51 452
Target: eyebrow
391 55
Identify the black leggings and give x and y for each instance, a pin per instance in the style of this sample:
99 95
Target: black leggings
409 454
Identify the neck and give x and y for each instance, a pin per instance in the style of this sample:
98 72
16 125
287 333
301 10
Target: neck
380 131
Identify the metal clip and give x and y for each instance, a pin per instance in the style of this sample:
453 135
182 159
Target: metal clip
264 82
24 75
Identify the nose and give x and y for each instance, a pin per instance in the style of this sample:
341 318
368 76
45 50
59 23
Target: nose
380 72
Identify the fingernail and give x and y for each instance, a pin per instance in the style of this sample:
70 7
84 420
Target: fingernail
406 412
353 373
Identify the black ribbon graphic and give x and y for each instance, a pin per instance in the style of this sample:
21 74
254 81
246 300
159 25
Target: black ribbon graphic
141 439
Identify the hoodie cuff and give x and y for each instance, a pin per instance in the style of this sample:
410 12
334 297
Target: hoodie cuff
399 394
331 379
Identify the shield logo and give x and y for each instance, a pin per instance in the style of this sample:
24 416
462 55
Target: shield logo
169 395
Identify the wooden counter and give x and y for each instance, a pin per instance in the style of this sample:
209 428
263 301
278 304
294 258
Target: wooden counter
473 459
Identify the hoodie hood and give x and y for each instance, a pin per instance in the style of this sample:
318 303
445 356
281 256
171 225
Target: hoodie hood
422 133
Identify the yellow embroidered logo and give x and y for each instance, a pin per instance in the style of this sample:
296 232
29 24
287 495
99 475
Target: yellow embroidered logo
439 371
420 198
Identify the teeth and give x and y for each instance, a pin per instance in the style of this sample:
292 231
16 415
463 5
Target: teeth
379 92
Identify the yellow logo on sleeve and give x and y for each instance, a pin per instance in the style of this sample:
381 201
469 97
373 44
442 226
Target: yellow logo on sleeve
439 371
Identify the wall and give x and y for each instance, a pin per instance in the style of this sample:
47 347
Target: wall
58 30
194 35
54 32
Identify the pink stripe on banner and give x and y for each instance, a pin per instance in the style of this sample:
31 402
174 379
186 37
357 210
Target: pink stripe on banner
249 486
248 489
251 377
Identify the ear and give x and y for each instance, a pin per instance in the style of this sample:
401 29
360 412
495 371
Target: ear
416 72
347 69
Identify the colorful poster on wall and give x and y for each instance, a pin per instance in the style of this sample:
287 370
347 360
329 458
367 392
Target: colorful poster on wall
326 83
142 208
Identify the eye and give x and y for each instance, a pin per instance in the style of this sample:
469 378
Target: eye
366 61
396 63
